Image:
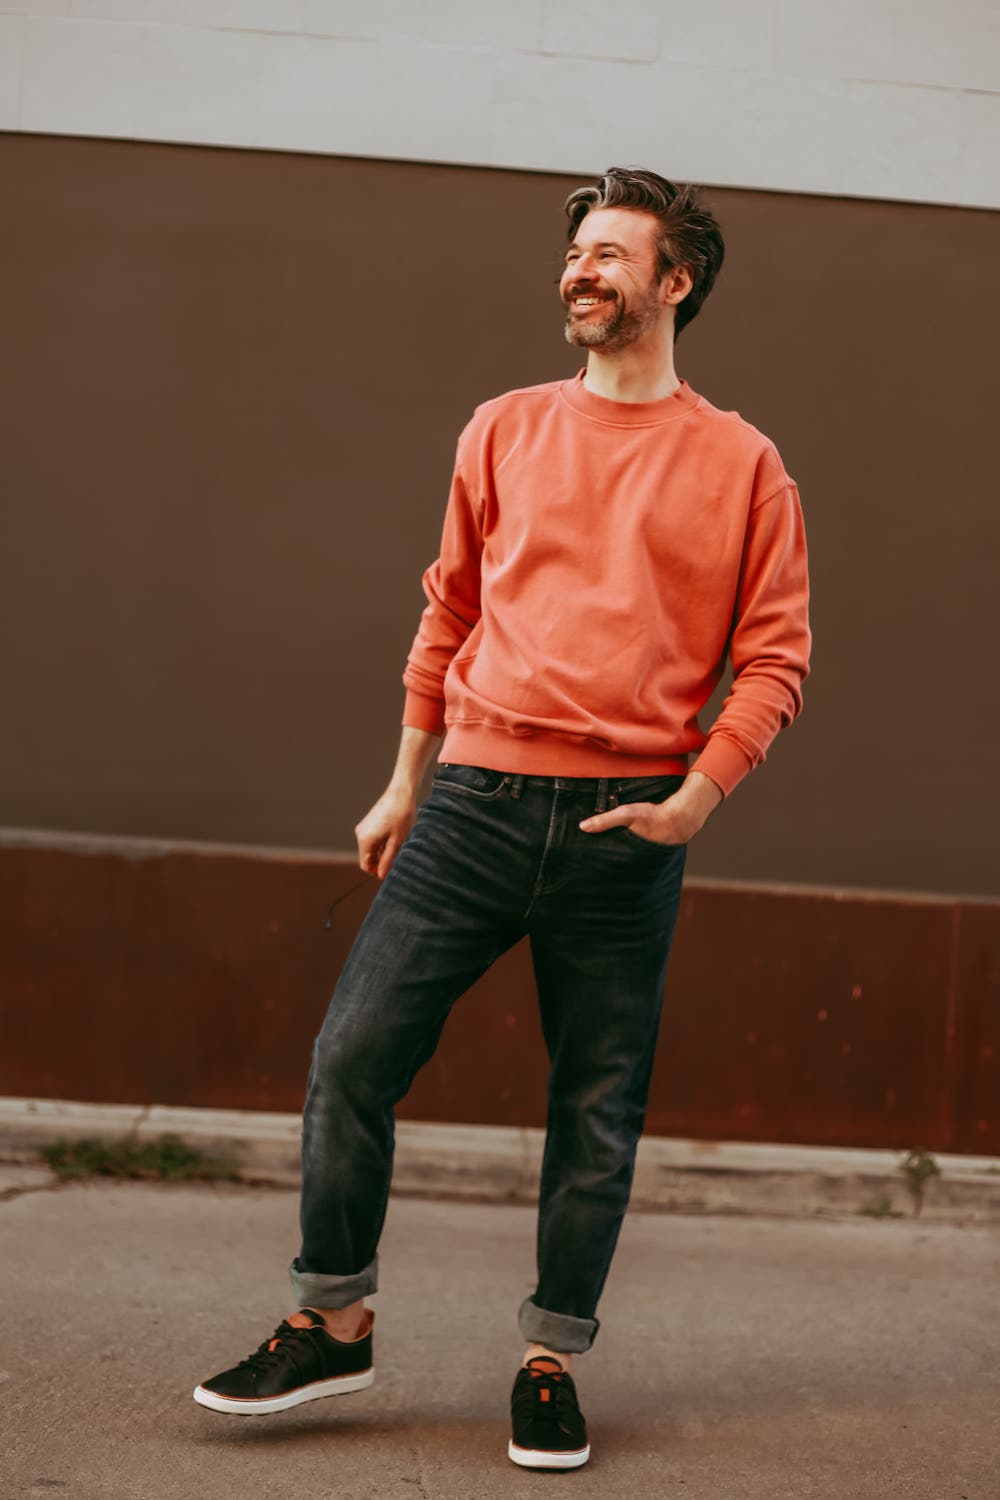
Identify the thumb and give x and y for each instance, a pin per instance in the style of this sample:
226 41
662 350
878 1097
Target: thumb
388 855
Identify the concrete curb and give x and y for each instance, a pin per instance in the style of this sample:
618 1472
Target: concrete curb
501 1164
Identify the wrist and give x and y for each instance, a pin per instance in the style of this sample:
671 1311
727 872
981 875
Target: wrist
702 792
416 751
404 785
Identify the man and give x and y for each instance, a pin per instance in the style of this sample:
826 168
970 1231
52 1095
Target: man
607 541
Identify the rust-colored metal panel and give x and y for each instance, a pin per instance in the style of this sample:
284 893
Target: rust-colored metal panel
827 1012
167 977
183 975
977 1070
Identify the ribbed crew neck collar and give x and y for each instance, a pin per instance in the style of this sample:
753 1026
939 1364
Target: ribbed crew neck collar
628 413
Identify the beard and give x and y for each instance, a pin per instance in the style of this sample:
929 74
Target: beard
615 328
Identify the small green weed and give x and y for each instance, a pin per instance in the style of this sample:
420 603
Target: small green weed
918 1167
166 1159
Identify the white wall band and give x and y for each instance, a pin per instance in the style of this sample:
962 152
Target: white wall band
898 100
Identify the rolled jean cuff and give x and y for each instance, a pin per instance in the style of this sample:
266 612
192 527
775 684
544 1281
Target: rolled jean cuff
558 1331
315 1289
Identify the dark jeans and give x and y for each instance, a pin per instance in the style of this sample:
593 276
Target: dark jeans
493 857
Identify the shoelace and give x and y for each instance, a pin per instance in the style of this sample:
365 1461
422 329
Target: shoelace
530 1400
283 1345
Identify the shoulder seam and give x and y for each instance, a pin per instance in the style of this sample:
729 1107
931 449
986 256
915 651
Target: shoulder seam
542 389
735 416
765 499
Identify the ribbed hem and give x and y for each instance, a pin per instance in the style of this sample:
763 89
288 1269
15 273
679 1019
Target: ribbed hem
421 712
723 761
544 755
628 413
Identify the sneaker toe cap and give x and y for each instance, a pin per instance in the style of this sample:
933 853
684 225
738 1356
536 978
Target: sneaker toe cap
238 1385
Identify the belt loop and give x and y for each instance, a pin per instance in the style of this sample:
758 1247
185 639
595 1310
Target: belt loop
602 795
516 785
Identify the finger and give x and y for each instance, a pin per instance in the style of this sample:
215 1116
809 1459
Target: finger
388 856
618 817
368 854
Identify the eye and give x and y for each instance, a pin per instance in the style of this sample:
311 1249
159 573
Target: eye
607 255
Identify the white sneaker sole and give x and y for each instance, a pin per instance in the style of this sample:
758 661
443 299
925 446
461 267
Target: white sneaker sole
537 1458
260 1406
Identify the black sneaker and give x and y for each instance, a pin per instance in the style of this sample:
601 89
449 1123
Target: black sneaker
293 1365
549 1430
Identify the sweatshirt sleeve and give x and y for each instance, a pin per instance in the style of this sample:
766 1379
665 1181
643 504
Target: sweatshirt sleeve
452 587
769 644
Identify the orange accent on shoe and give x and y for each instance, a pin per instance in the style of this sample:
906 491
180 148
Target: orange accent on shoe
273 1345
545 1393
299 1319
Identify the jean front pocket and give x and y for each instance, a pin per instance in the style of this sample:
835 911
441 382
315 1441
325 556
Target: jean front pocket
650 789
637 838
471 781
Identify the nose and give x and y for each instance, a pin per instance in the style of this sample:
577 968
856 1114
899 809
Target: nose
583 266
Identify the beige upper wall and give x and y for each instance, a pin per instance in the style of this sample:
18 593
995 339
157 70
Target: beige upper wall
898 100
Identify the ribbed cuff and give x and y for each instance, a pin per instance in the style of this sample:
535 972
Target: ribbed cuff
559 1331
421 712
724 762
315 1289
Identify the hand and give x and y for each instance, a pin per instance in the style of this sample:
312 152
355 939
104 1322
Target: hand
383 829
675 821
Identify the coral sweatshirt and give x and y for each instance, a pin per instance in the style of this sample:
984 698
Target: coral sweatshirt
599 561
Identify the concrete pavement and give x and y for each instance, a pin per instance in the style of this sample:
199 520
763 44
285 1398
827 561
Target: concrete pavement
739 1357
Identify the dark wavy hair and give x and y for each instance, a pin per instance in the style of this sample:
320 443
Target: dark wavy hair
689 233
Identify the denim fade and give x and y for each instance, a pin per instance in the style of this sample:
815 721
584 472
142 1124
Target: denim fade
491 858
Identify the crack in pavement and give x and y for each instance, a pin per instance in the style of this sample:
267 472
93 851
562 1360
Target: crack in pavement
7 1195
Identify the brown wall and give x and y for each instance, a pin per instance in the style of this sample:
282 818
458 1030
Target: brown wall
199 976
232 383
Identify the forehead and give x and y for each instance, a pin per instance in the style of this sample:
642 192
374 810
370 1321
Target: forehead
631 227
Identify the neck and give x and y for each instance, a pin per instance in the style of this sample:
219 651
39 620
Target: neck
642 372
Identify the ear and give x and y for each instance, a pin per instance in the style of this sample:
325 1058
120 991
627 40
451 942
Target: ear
676 284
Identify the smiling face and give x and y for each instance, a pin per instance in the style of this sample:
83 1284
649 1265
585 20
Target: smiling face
609 286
